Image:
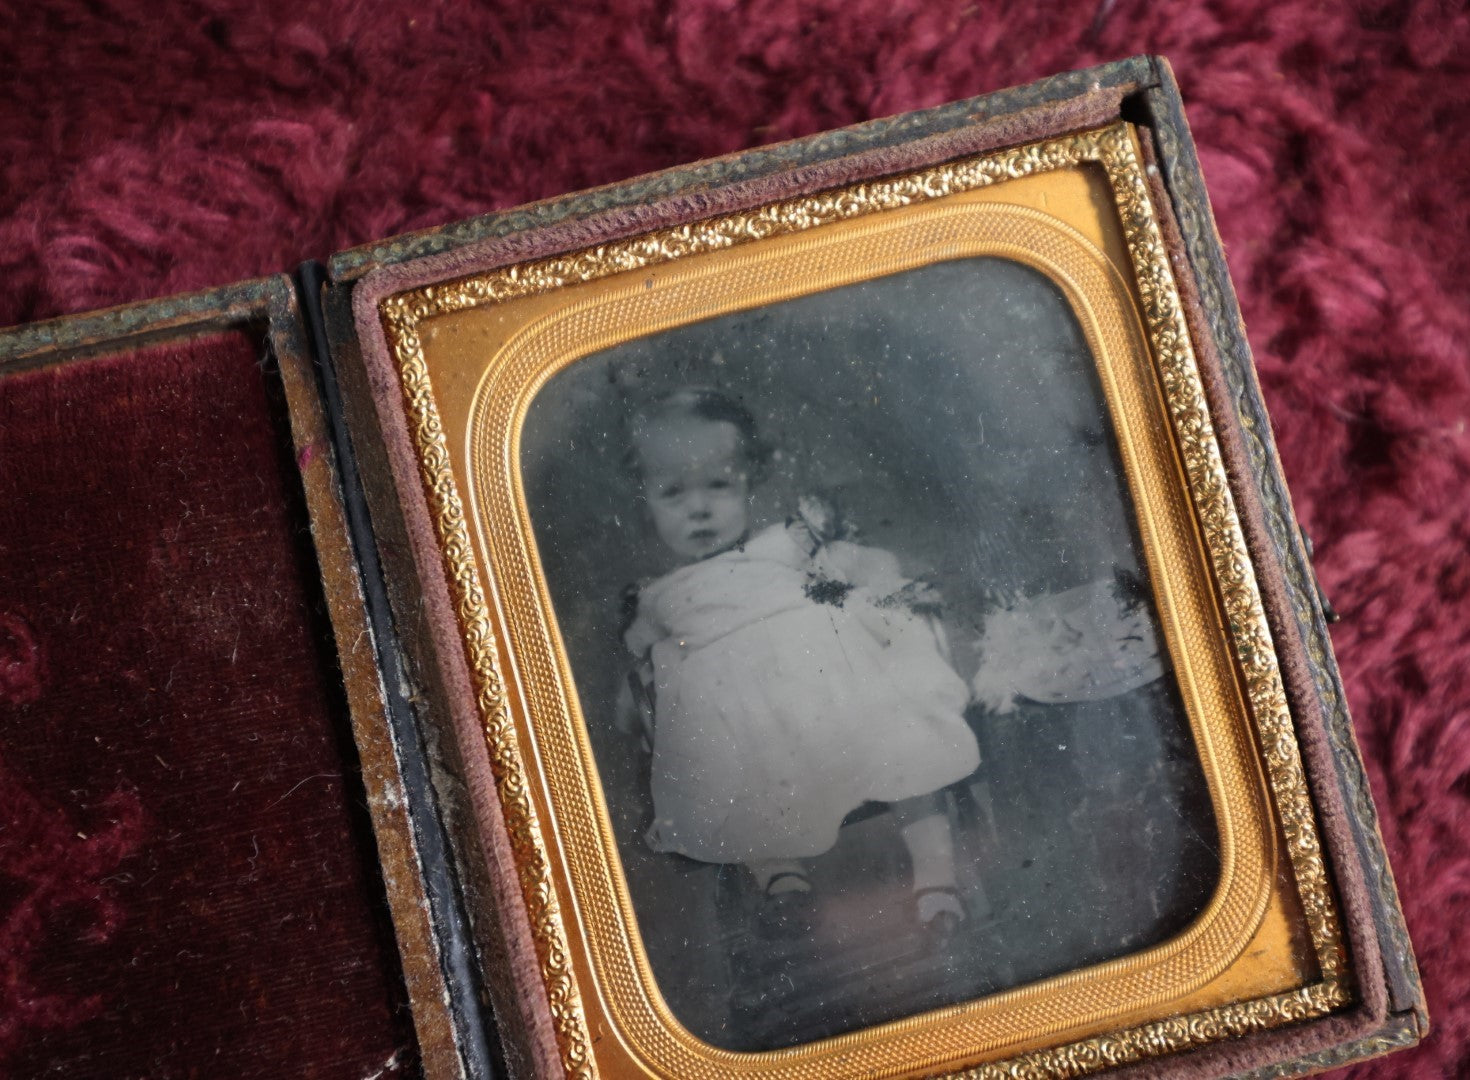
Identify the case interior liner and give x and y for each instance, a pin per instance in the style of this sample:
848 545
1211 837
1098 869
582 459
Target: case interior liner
189 874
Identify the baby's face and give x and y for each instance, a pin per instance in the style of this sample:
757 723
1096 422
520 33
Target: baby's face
695 482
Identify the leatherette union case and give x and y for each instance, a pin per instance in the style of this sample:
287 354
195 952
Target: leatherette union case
833 610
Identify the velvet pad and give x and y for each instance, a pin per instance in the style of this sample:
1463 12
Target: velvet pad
186 867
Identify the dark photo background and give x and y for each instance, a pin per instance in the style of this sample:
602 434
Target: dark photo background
953 415
147 148
950 413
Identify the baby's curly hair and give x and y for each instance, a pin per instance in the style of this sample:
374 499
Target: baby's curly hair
700 403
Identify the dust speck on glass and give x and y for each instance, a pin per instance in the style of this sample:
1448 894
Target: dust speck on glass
854 601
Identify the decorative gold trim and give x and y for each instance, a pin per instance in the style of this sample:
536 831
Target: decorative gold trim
1210 488
532 864
1168 1036
1114 150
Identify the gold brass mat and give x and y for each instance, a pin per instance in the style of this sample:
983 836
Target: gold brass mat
569 767
876 247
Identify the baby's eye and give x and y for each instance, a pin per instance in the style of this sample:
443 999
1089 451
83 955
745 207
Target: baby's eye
670 492
718 485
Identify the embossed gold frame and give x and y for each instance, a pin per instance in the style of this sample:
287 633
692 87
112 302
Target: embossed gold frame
1181 993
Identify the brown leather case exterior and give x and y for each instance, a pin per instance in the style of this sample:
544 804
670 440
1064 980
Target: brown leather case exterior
1389 1012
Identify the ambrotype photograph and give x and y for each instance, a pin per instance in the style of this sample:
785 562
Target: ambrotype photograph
855 606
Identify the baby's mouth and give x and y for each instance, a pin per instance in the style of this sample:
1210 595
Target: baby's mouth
703 536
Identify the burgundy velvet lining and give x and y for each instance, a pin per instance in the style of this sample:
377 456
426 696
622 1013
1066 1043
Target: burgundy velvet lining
185 864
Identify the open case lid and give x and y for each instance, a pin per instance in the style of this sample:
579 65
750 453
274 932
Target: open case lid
197 722
520 895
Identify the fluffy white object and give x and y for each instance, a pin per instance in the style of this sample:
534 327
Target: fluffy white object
1084 644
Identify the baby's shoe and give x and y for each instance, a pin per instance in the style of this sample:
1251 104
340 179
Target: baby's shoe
788 909
940 913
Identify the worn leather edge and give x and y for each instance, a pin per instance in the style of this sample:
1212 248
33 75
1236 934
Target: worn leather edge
1399 1031
708 187
1278 1048
380 751
1294 608
138 324
584 227
438 687
1180 166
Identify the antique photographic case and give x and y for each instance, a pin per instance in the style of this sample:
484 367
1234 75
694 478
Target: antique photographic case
833 611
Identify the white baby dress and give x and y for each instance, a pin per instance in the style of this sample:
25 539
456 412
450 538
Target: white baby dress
789 689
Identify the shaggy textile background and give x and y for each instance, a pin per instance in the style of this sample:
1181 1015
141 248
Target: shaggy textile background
149 148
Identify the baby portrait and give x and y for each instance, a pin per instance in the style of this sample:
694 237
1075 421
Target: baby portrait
855 607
